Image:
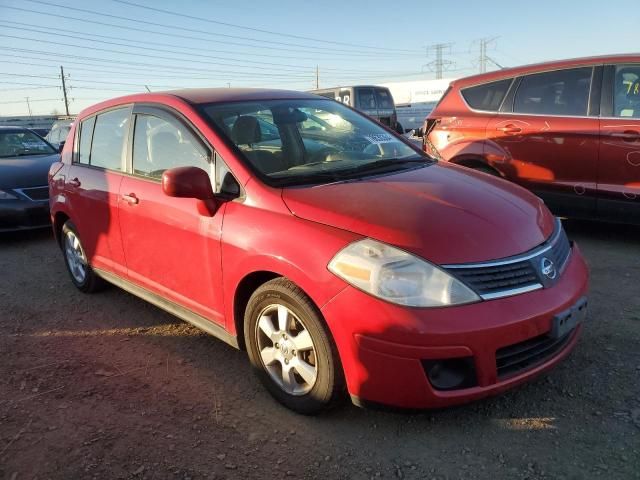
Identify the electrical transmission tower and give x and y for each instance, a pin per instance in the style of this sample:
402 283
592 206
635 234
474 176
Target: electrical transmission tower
440 64
484 59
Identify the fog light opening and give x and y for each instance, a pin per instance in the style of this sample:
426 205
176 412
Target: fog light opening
451 373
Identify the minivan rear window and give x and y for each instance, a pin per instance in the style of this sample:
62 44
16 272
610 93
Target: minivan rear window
488 96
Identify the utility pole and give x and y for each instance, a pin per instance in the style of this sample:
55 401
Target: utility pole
439 65
317 77
28 106
64 90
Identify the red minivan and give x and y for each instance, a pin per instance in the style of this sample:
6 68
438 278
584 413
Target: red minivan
569 131
337 254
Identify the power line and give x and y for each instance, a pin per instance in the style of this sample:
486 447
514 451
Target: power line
164 25
255 29
334 55
147 55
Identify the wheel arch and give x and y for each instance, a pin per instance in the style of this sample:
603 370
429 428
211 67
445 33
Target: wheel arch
475 163
59 220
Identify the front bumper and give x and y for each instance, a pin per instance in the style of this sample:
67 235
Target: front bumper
383 347
16 215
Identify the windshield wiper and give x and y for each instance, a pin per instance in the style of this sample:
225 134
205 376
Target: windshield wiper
385 163
316 177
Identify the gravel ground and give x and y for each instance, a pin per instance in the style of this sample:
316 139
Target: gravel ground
107 386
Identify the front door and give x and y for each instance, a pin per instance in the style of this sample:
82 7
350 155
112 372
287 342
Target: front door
619 167
549 139
172 245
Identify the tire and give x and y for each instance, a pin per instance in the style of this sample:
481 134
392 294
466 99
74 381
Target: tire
81 273
300 370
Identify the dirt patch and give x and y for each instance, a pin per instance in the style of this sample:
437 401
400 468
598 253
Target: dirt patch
107 386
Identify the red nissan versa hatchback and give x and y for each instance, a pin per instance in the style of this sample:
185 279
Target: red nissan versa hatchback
335 252
569 131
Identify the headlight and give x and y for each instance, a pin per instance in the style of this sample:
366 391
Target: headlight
398 277
7 196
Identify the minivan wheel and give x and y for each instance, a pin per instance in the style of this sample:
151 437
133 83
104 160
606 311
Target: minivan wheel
290 348
82 276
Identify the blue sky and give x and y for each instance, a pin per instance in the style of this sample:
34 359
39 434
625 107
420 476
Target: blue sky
349 42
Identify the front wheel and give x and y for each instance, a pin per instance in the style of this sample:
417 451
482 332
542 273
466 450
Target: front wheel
290 348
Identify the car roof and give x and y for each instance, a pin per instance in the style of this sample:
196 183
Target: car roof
197 96
545 66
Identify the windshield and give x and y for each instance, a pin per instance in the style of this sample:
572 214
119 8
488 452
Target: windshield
301 141
17 143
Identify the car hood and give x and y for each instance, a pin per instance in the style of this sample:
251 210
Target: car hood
443 213
28 171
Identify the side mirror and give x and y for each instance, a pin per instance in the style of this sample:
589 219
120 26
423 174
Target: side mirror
61 146
187 182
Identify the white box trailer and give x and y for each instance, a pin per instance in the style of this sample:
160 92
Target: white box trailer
415 99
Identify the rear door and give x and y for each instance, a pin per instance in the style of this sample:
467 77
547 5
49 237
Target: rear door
547 138
93 183
619 167
172 245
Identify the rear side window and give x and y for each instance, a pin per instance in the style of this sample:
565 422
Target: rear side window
109 137
86 132
563 92
159 145
486 97
626 93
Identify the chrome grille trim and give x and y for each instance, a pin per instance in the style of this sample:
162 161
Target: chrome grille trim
517 274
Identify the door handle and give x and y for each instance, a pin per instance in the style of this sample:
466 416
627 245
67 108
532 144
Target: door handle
131 199
627 135
509 129
74 182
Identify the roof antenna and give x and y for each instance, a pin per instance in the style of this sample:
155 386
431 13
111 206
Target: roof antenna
148 89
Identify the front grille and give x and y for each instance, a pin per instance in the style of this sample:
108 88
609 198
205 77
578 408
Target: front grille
528 354
519 274
35 193
491 280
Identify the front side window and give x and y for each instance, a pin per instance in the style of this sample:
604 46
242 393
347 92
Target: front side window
487 97
366 99
20 143
626 93
159 145
383 98
562 92
109 138
304 141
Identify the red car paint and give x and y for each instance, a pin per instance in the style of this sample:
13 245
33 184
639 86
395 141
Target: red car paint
198 257
583 164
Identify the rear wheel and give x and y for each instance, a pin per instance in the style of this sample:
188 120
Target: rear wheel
82 276
290 348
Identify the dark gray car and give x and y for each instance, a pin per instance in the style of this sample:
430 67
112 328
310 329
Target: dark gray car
25 159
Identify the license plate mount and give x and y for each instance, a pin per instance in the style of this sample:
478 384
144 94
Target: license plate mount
564 322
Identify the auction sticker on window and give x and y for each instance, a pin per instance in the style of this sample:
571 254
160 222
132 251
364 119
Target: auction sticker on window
378 138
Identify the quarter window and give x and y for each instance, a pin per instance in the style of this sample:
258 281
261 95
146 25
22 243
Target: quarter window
159 145
86 132
563 92
626 93
109 135
487 97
